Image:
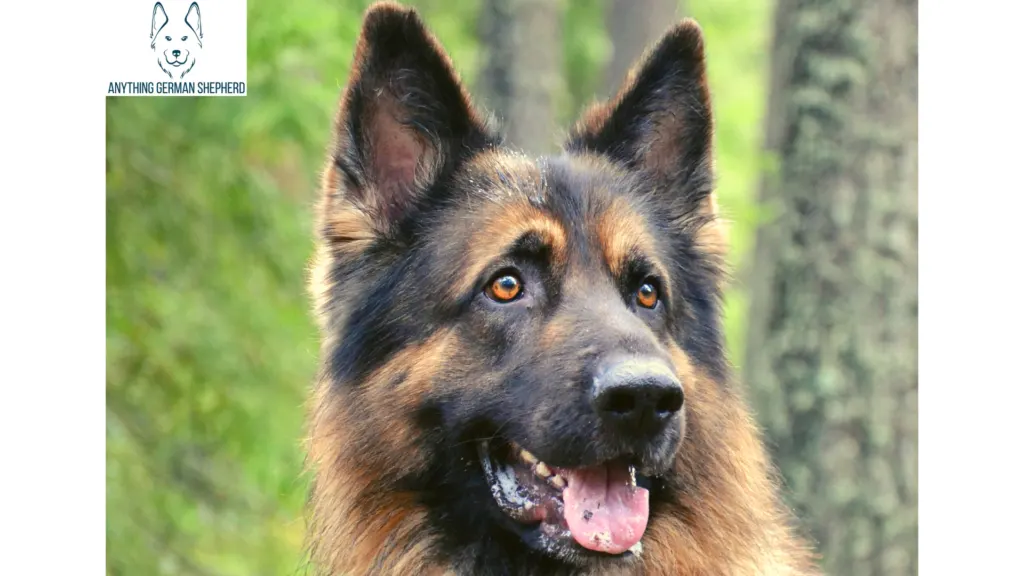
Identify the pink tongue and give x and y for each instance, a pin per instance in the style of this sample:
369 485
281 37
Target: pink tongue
604 513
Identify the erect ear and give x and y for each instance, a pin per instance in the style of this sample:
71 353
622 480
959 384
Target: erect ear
405 121
157 23
195 21
660 120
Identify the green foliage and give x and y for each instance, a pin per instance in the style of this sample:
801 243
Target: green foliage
586 48
210 345
737 35
209 342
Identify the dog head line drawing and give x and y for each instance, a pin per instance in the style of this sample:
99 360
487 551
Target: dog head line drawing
176 40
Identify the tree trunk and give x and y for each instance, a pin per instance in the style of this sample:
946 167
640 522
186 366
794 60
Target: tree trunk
522 74
832 344
634 25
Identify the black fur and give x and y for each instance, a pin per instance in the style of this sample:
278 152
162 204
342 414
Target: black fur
500 381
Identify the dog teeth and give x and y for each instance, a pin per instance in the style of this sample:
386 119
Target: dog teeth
542 470
637 548
632 477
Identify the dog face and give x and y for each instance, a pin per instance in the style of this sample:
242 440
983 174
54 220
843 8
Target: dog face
176 40
519 347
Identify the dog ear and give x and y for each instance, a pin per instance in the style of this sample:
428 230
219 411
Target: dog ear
660 121
157 23
405 120
195 22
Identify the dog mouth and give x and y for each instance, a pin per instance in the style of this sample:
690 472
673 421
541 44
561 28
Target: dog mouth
176 61
600 509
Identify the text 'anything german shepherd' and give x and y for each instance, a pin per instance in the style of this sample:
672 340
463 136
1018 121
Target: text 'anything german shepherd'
522 366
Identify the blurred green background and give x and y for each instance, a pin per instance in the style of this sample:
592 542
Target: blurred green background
210 343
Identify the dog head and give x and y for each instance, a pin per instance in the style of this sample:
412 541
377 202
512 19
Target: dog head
177 39
525 350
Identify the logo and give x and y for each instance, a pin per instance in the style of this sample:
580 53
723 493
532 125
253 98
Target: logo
175 48
176 41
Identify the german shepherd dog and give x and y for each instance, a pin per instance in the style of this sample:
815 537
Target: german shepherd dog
522 367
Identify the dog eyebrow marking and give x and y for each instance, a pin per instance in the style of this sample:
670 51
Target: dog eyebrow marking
629 249
623 235
511 228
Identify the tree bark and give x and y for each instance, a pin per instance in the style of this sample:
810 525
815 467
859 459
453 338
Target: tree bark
522 74
831 354
634 25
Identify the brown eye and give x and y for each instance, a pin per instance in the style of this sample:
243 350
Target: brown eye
505 288
647 295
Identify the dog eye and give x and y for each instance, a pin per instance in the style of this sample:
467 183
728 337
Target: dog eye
505 288
183 38
168 38
647 295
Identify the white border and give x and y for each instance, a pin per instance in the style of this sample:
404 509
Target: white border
52 220
971 204
971 294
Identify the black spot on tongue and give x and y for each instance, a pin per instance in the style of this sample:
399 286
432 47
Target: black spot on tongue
604 510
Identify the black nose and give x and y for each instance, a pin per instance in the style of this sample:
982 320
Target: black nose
176 53
637 396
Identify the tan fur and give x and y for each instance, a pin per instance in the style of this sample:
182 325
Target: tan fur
713 238
505 222
508 223
730 521
712 235
733 524
622 231
382 530
355 220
